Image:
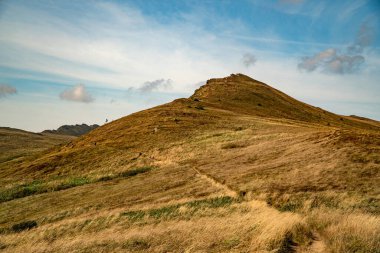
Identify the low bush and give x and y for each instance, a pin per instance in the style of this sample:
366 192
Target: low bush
26 225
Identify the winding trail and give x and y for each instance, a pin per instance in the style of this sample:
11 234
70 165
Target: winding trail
228 190
316 246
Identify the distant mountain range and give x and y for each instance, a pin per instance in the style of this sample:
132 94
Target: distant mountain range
74 130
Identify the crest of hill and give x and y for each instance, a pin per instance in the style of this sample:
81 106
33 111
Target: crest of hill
222 104
242 94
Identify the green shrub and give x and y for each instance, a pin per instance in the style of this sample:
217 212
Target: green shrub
72 183
21 191
134 215
164 212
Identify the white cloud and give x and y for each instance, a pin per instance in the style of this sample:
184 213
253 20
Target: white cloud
116 46
346 60
77 94
122 50
6 90
155 85
331 62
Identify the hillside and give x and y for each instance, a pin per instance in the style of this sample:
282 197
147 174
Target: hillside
16 144
74 130
237 167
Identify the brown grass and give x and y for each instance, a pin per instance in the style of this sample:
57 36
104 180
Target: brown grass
300 184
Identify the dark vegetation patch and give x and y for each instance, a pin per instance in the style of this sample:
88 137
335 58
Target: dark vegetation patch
172 211
72 183
297 202
39 187
232 145
25 225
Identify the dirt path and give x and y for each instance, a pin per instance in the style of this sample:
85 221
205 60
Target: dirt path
317 245
229 192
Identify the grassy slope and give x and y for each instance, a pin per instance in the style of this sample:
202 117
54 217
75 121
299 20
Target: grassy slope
307 180
17 144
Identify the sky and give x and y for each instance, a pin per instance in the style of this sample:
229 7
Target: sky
73 62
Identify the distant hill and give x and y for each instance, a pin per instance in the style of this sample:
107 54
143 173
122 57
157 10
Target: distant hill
74 130
237 167
16 144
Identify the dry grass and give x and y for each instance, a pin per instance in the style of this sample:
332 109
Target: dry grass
303 186
347 232
240 227
17 145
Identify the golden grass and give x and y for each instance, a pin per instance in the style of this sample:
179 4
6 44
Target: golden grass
302 185
242 227
345 231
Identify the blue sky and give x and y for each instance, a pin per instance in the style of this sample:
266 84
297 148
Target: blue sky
69 62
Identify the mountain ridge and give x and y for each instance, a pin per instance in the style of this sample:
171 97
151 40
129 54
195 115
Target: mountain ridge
247 95
74 130
232 100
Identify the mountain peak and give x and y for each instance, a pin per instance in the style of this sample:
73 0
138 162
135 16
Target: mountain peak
242 94
222 86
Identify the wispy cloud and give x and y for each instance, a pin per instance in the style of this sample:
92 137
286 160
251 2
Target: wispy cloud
330 61
78 93
155 85
6 90
249 59
115 50
364 38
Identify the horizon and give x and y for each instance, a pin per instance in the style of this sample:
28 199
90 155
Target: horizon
67 63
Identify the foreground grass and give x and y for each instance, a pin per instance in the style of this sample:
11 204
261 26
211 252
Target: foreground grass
221 224
346 232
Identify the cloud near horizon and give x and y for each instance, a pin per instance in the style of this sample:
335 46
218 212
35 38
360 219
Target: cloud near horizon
78 93
6 90
155 85
348 60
